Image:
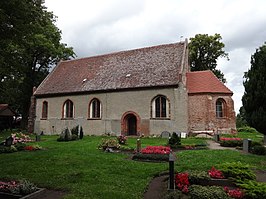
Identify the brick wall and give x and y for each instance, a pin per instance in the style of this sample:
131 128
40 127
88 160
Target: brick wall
202 113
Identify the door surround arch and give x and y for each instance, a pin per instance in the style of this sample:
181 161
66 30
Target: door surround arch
125 125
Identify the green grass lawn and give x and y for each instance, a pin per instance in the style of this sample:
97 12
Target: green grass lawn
86 172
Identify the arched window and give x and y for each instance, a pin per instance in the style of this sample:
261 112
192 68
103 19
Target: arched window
220 108
95 108
44 110
68 111
160 107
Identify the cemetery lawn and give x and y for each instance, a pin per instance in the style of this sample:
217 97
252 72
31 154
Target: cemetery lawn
83 171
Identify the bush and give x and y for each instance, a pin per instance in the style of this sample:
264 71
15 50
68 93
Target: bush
75 131
231 142
195 177
174 141
81 134
258 150
207 192
254 190
247 129
237 171
109 143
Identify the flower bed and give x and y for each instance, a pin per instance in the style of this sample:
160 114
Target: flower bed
156 150
18 189
153 153
209 184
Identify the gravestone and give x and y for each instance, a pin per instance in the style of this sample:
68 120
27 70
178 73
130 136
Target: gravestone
183 135
246 145
38 138
9 141
165 134
172 159
216 137
178 133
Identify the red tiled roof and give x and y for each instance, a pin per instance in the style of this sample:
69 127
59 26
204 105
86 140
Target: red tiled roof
205 82
145 67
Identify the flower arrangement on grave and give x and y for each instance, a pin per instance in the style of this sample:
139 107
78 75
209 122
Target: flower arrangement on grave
22 187
32 148
156 150
20 138
122 139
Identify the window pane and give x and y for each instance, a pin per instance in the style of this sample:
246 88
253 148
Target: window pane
158 107
44 110
163 107
95 106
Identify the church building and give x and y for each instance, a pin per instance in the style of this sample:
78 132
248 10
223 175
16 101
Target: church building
141 91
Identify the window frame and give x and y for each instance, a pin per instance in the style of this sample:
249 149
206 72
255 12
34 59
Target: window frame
160 107
67 109
220 108
44 110
95 109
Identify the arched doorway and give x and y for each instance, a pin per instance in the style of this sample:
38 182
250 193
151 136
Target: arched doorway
130 123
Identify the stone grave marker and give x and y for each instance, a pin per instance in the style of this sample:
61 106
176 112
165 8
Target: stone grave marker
165 134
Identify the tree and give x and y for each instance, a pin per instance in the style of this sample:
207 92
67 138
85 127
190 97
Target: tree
204 51
30 46
241 118
255 91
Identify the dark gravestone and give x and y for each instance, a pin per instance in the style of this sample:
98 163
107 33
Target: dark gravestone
178 133
38 138
165 134
216 137
246 145
9 141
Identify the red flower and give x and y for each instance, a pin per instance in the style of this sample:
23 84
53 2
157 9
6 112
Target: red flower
234 193
29 148
156 150
230 139
214 173
181 181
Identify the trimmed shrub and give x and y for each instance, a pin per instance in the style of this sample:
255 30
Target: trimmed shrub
174 141
207 192
195 177
254 190
237 171
247 129
231 142
258 150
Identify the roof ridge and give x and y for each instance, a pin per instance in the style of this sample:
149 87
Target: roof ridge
125 51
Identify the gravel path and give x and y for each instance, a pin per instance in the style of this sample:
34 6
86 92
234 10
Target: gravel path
214 145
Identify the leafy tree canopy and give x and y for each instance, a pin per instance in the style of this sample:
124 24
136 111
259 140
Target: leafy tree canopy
30 46
254 97
204 51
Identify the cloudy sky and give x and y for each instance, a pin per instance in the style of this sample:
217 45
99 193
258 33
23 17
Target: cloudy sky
95 27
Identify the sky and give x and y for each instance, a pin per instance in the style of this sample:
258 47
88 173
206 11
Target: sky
94 27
